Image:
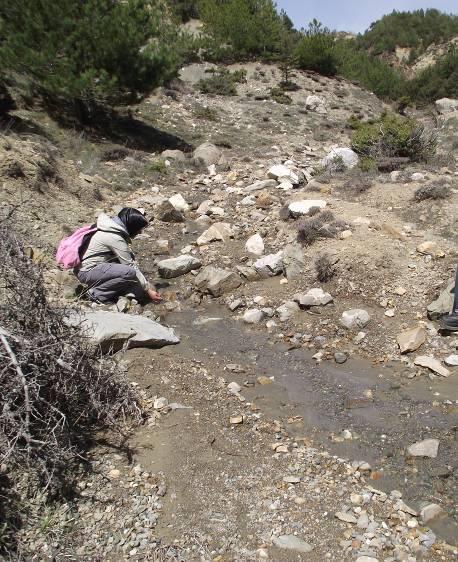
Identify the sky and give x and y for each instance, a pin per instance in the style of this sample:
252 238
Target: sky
354 15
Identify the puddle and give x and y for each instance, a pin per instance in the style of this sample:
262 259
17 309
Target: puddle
383 411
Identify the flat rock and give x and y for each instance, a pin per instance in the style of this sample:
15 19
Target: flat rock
432 364
260 185
217 281
346 517
430 512
270 265
175 267
314 297
426 448
113 330
303 208
355 319
255 245
218 231
412 339
281 172
291 542
451 360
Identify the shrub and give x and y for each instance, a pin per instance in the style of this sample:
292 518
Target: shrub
325 268
158 166
113 154
315 51
279 96
434 191
222 82
205 112
393 135
321 225
55 389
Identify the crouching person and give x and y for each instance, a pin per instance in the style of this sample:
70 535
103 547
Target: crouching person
108 266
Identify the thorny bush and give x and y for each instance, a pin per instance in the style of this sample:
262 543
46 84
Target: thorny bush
55 389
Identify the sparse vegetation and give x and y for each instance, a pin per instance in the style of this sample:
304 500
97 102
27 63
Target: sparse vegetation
321 225
325 268
222 82
278 95
433 191
158 166
205 112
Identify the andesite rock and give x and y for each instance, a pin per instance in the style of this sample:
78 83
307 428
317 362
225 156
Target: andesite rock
113 330
270 265
425 448
314 297
218 231
175 267
430 512
355 318
217 281
291 542
179 202
253 316
255 245
340 156
412 339
293 260
303 208
280 172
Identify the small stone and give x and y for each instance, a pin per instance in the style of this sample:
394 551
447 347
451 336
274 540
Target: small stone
253 316
451 360
179 203
356 499
430 248
291 479
114 474
346 434
417 176
263 380
430 512
160 403
363 521
236 420
366 559
234 388
280 172
291 542
314 297
346 517
303 208
355 318
218 231
287 310
340 357
255 245
427 448
175 267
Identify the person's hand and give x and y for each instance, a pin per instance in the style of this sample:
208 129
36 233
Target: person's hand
154 296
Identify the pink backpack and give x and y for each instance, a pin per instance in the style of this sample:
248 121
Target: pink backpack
71 249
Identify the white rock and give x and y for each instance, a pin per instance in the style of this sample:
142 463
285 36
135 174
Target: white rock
366 559
255 245
346 517
315 103
280 172
302 208
204 207
175 267
394 176
160 403
451 360
426 448
218 231
253 316
285 185
287 310
314 297
355 318
234 388
432 364
417 176
217 281
430 512
179 202
291 542
337 156
270 265
446 105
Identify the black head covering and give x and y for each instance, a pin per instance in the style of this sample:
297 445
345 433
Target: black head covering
133 220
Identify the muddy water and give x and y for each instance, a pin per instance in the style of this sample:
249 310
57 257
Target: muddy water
384 411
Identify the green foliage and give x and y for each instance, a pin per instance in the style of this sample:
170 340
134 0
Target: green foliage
241 28
437 81
157 166
316 50
222 82
96 51
393 135
185 9
417 29
278 95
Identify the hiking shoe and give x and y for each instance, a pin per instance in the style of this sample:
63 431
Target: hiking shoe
450 322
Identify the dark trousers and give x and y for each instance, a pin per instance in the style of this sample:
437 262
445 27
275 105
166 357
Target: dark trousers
108 281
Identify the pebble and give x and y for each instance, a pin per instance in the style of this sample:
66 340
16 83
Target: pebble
340 357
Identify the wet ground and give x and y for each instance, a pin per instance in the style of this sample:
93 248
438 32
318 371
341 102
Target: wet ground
383 410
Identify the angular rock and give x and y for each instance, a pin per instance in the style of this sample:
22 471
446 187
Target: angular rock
346 517
166 212
291 542
412 339
446 105
259 185
430 512
317 104
280 172
451 360
179 202
253 316
270 265
355 319
426 448
344 156
113 330
217 281
175 267
303 208
314 297
287 310
443 304
255 245
218 231
293 261
432 364
208 154
430 248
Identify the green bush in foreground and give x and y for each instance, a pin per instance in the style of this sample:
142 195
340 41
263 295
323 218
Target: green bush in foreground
393 135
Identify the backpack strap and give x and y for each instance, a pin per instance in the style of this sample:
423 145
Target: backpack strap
100 254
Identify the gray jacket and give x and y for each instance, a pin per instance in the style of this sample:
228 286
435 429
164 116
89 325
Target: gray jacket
111 244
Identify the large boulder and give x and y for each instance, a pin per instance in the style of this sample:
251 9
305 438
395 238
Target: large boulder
340 157
114 330
208 154
317 104
175 267
217 281
446 105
